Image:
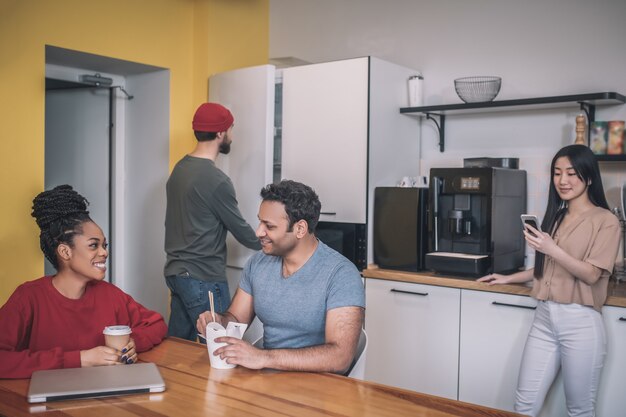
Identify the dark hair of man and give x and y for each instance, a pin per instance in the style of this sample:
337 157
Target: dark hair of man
204 136
59 213
586 166
300 201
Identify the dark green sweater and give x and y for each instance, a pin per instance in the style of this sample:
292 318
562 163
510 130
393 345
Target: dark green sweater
201 209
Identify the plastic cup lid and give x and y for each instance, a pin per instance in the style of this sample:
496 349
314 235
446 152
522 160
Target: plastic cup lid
117 330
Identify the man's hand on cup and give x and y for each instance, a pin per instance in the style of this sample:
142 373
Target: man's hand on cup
240 352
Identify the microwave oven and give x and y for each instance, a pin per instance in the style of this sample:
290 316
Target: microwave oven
349 239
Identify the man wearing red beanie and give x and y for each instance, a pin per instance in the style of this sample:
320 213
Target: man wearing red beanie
201 209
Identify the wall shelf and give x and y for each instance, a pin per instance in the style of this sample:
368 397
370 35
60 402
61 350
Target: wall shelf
611 158
586 102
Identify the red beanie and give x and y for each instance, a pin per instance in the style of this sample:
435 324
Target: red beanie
212 117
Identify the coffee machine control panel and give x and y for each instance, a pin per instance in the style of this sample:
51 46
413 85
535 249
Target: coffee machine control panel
470 183
466 183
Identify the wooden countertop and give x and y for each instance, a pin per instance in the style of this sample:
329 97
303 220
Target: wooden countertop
616 298
193 388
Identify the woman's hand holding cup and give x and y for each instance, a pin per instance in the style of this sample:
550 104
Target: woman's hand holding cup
118 338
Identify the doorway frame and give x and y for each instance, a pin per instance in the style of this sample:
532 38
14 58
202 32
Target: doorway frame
140 137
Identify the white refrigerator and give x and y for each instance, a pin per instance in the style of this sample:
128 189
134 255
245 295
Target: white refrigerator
249 94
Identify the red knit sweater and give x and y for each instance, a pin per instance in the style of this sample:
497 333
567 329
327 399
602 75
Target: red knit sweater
42 329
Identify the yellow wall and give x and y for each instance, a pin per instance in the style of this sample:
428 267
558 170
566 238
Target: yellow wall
192 38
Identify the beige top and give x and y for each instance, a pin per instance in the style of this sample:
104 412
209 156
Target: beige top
593 238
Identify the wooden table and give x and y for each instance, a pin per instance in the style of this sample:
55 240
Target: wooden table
194 389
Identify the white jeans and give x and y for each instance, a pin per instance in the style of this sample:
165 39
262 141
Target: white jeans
566 336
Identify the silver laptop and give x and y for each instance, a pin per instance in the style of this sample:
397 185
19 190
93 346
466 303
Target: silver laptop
97 381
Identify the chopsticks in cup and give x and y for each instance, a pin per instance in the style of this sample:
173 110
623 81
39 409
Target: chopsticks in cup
212 306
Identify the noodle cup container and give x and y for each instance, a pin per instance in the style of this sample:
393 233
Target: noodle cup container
117 337
216 361
213 331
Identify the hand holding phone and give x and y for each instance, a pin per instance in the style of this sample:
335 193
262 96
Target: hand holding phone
530 219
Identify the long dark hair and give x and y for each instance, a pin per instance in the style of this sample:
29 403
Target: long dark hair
59 213
586 166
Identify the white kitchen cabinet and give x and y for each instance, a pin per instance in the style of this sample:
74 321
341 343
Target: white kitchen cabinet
472 340
494 328
342 134
491 345
454 343
413 335
325 113
611 396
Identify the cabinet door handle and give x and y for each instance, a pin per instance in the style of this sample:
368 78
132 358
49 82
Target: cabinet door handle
423 294
496 303
329 213
622 319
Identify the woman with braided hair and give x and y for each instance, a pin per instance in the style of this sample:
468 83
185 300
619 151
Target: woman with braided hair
57 321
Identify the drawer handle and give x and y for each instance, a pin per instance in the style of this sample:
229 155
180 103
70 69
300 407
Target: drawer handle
423 294
622 319
496 303
329 213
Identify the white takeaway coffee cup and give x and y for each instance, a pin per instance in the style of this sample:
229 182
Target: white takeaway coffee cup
117 336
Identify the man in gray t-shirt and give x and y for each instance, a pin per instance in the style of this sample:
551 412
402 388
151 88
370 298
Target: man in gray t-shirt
309 297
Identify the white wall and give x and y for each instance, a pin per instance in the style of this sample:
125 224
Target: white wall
539 48
141 218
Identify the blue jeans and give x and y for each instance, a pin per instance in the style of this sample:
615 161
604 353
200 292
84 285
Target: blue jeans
190 298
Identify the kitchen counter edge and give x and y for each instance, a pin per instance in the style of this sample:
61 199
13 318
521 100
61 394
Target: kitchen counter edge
616 292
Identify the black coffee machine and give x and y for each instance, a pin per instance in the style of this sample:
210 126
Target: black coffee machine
475 220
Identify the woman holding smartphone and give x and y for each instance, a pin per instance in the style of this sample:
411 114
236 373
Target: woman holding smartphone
575 254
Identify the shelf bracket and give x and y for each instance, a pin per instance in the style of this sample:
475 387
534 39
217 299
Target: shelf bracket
440 127
590 112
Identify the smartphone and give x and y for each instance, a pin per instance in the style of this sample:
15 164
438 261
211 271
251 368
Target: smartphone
531 220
